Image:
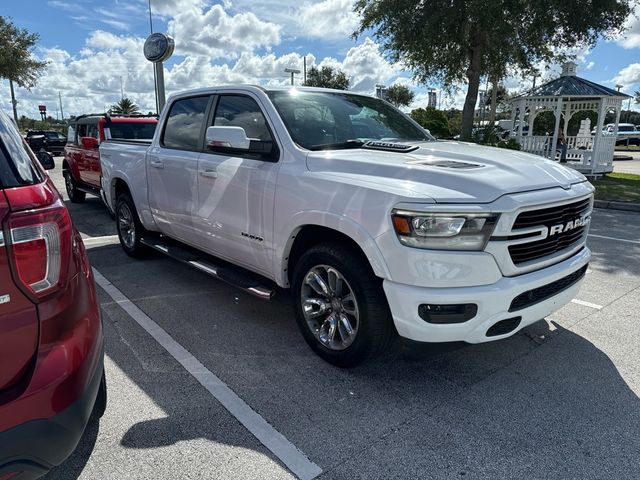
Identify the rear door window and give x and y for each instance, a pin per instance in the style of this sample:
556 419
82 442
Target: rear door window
17 162
183 130
132 130
92 130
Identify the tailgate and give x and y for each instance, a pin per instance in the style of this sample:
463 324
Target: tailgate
18 318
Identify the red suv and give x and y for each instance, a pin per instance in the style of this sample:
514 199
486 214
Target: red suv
51 345
81 165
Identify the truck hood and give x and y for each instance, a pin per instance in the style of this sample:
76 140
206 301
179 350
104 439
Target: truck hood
448 172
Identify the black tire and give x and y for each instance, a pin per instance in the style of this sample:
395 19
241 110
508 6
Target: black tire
101 400
375 330
130 230
75 195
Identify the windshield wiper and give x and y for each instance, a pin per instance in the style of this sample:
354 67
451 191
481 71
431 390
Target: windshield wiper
338 145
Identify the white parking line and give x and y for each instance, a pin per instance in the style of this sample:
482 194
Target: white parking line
92 242
614 238
277 443
587 304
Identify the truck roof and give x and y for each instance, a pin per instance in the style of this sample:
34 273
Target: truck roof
256 89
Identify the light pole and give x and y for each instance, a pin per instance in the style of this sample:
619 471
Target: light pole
618 87
292 71
157 48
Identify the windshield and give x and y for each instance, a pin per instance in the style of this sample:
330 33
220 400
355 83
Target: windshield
132 130
326 120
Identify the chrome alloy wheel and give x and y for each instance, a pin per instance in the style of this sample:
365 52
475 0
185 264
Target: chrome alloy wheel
126 225
68 183
330 307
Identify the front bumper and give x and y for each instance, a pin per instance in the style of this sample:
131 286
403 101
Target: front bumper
493 301
35 447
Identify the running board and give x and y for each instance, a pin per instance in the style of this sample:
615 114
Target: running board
235 276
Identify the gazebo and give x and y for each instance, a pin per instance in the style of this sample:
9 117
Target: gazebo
591 154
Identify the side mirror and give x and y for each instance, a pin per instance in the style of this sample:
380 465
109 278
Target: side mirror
234 141
226 138
46 160
88 142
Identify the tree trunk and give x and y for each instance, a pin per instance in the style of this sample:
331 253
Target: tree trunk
473 76
494 101
14 103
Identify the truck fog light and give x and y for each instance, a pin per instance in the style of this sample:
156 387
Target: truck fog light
442 314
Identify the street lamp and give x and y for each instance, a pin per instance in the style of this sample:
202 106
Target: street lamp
618 86
292 71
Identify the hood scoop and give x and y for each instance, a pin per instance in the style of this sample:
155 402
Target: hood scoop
389 146
446 164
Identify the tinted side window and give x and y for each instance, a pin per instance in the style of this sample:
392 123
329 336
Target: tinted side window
92 130
184 123
239 111
17 162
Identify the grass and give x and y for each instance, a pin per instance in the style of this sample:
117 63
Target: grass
618 187
630 148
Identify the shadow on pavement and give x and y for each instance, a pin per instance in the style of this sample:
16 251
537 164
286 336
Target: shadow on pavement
546 403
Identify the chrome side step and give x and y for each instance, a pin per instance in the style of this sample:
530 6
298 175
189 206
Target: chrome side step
235 276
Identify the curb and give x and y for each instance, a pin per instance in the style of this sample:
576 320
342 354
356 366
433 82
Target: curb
626 206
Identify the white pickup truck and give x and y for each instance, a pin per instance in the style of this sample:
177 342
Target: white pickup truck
376 228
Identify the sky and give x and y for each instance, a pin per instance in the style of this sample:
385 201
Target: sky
95 48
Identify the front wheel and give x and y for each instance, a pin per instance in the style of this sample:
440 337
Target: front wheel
130 230
341 308
75 195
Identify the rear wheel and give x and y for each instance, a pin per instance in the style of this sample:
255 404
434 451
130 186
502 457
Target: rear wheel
341 308
130 230
75 195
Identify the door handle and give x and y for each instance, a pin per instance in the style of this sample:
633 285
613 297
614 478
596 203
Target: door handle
209 173
156 163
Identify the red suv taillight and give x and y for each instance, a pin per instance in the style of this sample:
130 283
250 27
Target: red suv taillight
40 248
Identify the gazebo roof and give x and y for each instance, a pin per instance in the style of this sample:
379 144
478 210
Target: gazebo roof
570 85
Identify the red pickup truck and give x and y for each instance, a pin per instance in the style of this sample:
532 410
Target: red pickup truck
81 165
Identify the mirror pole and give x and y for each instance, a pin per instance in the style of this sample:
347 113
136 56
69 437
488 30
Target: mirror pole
159 69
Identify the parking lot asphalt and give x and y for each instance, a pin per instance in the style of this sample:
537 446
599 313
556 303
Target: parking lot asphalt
560 399
631 165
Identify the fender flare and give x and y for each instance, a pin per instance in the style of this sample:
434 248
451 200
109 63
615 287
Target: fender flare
331 221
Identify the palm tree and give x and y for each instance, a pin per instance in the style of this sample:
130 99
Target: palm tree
125 107
637 95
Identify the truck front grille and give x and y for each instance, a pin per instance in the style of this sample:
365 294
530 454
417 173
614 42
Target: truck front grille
549 217
545 292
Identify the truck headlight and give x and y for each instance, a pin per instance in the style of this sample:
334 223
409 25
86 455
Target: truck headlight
444 231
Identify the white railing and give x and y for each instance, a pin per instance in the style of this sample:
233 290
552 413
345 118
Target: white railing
604 155
580 154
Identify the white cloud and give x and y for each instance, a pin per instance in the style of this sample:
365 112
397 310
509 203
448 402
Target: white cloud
215 45
214 33
366 66
332 19
170 7
631 36
628 76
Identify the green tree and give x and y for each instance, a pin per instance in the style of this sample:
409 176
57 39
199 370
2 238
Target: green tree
453 41
400 95
17 63
125 107
327 77
636 94
433 120
16 60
